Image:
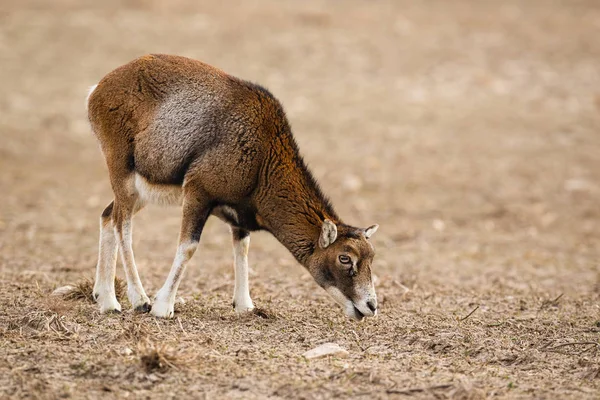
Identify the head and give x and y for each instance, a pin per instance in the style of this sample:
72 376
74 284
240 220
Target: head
341 264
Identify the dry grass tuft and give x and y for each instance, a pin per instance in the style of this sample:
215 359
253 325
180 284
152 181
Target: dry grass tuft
43 321
57 305
264 313
135 332
160 357
592 373
84 290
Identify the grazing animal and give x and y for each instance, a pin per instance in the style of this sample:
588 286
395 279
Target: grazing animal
178 131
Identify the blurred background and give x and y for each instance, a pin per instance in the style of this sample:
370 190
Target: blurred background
458 126
469 130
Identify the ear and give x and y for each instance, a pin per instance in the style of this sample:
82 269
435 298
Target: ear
328 234
371 230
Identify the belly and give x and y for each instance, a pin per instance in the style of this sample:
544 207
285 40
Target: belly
239 215
151 193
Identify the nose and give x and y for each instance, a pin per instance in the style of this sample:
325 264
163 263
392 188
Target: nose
372 306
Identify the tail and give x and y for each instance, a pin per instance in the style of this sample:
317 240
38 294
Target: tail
87 99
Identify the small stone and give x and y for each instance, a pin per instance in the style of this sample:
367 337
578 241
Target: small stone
578 185
63 290
326 349
127 351
548 219
153 378
489 225
93 201
352 183
439 225
376 350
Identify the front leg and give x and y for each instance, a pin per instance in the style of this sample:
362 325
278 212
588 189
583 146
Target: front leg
241 293
195 213
164 302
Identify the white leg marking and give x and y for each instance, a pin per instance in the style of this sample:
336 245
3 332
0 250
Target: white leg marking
135 291
241 292
104 286
164 302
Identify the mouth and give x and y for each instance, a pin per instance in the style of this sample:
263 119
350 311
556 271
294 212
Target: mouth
358 315
349 308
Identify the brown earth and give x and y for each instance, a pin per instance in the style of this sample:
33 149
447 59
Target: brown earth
469 130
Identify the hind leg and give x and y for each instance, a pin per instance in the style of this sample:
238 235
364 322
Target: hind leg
104 285
126 204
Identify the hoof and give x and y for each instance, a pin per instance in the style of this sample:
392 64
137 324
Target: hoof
95 296
144 308
242 305
163 309
115 312
108 304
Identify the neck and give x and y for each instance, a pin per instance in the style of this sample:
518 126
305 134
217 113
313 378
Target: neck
293 209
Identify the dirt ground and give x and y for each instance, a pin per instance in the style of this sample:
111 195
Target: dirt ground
469 130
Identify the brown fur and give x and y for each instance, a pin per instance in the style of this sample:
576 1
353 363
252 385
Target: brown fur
228 144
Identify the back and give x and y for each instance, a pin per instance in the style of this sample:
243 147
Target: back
170 111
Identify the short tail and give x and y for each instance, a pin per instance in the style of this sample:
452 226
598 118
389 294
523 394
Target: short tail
87 99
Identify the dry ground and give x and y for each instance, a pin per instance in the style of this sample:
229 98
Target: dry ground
469 130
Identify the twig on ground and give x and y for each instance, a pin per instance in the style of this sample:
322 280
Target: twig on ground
357 339
554 302
469 314
419 390
157 325
219 287
181 326
592 374
558 346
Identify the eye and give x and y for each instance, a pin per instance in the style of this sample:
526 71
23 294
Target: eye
345 259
